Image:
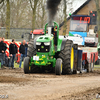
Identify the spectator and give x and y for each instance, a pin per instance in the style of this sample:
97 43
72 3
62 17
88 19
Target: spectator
1 51
12 53
22 50
3 54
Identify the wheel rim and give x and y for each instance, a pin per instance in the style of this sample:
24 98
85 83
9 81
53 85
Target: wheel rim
72 58
29 67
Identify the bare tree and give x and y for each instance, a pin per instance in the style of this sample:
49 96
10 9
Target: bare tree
2 14
7 17
43 13
1 3
60 16
65 17
41 17
33 4
20 13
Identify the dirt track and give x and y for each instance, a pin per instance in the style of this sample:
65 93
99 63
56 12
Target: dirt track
19 86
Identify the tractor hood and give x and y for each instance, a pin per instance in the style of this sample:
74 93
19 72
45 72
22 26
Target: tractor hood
45 38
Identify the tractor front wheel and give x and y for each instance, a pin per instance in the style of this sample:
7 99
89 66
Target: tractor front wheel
58 67
26 65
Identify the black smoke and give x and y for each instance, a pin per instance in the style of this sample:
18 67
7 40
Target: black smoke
52 6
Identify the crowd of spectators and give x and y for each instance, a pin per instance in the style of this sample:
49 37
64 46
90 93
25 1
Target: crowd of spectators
13 50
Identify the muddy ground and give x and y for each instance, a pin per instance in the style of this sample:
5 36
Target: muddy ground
19 86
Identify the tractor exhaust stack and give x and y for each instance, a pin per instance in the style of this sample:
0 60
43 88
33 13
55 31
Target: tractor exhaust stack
49 30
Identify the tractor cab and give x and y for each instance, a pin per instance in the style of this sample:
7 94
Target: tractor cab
33 34
37 33
79 27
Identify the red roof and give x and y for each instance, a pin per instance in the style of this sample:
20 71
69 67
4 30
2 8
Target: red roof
38 31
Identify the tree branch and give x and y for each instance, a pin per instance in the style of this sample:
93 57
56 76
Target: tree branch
2 5
1 1
31 4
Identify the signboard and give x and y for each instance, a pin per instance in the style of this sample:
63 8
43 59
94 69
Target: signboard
82 18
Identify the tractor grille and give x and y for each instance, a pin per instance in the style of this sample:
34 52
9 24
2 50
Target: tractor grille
42 48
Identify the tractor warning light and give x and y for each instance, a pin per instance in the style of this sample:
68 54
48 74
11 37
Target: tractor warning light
91 12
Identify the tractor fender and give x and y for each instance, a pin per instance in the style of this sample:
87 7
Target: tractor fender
63 43
35 43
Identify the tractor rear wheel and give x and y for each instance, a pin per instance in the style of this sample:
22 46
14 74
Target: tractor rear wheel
67 56
31 50
58 67
26 65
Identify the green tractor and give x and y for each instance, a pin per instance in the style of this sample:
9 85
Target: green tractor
50 52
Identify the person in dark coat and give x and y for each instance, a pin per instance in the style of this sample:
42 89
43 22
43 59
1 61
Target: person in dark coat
1 51
5 47
22 50
12 53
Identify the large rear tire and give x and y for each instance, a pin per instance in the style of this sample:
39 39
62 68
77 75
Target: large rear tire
31 50
67 56
26 65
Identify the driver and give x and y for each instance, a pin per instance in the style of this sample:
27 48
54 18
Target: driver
79 28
